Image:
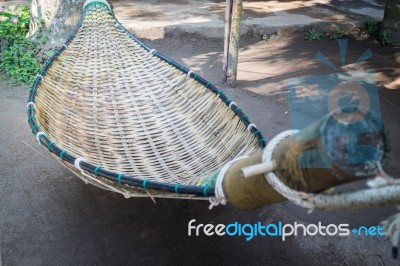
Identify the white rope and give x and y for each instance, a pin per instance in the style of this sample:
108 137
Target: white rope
392 224
66 46
392 229
219 197
30 104
77 164
39 76
232 103
152 51
249 127
188 74
383 190
300 198
40 133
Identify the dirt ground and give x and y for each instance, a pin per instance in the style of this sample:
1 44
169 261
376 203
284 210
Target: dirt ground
48 216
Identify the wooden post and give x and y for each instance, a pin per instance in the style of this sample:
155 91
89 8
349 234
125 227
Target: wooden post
391 22
297 168
228 14
232 47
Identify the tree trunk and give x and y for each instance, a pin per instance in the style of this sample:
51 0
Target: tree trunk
234 40
391 22
228 15
54 19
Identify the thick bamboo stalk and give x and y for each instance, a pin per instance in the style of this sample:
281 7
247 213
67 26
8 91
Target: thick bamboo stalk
312 160
231 73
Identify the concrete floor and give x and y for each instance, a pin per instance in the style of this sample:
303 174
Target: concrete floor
155 19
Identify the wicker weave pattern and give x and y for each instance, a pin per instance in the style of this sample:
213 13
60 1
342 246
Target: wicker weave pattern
112 102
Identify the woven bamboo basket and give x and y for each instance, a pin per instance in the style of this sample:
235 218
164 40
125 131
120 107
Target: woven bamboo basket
124 117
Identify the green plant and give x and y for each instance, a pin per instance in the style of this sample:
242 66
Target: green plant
14 23
373 30
18 61
340 33
370 28
265 37
313 35
384 37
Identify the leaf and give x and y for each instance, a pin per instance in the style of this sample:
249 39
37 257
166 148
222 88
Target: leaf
5 14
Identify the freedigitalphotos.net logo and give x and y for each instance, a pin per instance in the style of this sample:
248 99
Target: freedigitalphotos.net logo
343 94
279 229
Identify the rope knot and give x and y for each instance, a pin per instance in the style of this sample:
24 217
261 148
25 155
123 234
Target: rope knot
215 201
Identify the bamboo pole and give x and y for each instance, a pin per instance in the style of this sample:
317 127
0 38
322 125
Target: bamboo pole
303 170
234 40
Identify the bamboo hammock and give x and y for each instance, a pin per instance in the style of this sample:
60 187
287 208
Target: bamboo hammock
124 117
138 122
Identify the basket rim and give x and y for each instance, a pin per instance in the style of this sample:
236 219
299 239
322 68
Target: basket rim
121 178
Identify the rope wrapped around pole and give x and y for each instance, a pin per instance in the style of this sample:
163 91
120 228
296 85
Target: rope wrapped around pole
302 165
319 157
